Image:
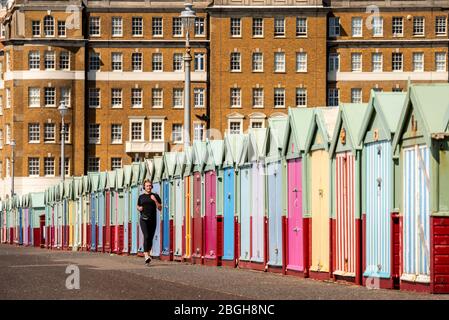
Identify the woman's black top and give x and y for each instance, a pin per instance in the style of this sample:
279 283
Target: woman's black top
149 206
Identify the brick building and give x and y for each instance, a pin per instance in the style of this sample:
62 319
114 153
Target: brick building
118 66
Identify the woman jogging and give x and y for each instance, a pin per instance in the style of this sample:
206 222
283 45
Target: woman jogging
147 204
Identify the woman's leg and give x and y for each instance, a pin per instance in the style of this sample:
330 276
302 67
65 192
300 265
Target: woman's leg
151 230
144 225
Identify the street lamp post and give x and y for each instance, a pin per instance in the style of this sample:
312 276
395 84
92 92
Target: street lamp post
13 144
63 110
188 18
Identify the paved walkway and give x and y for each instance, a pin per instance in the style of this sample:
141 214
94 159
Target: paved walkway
32 273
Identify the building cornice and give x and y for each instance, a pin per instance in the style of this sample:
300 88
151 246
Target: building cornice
47 42
388 43
148 43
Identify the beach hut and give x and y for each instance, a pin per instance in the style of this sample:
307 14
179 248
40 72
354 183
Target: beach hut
233 147
48 218
319 190
37 214
188 203
158 164
276 192
94 178
297 228
68 205
101 199
421 145
111 214
346 233
179 204
143 174
379 217
168 205
135 191
77 196
86 229
213 214
2 222
199 158
127 176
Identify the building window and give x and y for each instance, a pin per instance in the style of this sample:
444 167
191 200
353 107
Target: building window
1 142
398 26
136 98
334 26
33 167
157 62
94 61
49 166
440 25
177 133
66 166
8 167
49 132
257 61
356 95
117 61
116 133
93 164
116 163
396 61
301 62
156 131
257 97
34 60
36 28
235 127
178 97
136 61
378 26
94 97
137 26
61 29
396 89
257 27
65 96
8 98
301 27
356 62
236 27
116 98
66 133
200 62
301 97
376 62
279 62
64 60
178 62
117 26
8 134
157 98
279 26
418 61
334 62
49 26
94 26
198 94
177 27
157 26
236 101
94 133
50 97
333 97
137 131
418 26
198 131
256 124
235 61
357 26
279 98
440 61
200 26
34 97
34 133
49 60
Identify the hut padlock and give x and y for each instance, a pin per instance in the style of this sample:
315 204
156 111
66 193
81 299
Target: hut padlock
295 229
379 182
276 251
229 196
212 253
320 192
379 150
295 189
211 200
197 201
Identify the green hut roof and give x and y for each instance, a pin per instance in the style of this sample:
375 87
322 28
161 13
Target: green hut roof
188 158
180 164
142 171
214 154
242 153
431 103
298 124
255 147
111 182
37 200
351 116
128 173
103 181
274 139
232 144
68 188
323 121
199 155
120 178
86 184
94 179
158 168
135 178
169 165
149 163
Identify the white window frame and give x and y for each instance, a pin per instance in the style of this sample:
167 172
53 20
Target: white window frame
113 167
200 27
153 121
116 98
34 130
393 61
117 26
97 97
199 95
440 26
49 28
378 26
49 135
94 26
50 60
33 166
49 89
356 62
34 95
157 60
156 27
257 64
8 98
258 98
61 23
276 96
116 61
356 95
36 26
375 63
93 161
235 121
177 26
279 27
34 60
135 97
178 98
90 133
116 126
66 96
253 121
142 134
334 60
178 62
441 54
200 61
333 97
235 28
334 27
257 29
137 61
301 62
418 64
64 60
395 26
279 62
236 62
300 27
178 133
299 94
357 27
199 126
137 26
47 165
419 26
94 61
153 90
235 98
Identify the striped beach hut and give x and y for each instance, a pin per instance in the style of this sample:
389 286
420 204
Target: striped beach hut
101 195
94 180
346 232
158 164
421 144
379 204
135 190
179 202
168 205
86 229
78 191
319 189
68 208
37 213
188 203
143 174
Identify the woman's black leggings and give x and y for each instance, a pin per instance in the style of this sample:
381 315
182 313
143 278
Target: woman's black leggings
148 229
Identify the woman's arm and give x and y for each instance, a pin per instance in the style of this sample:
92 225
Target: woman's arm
158 204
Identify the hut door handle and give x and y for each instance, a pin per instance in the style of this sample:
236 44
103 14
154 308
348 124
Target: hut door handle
295 189
229 196
295 229
211 200
197 200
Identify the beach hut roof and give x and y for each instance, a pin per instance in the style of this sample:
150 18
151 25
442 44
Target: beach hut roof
214 154
297 128
68 188
120 178
103 181
274 139
199 155
430 102
86 184
94 179
242 153
142 171
188 158
158 168
231 145
128 172
350 116
180 164
323 121
149 163
37 200
388 107
169 165
135 178
111 180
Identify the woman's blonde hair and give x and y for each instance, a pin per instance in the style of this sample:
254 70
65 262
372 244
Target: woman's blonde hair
147 181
